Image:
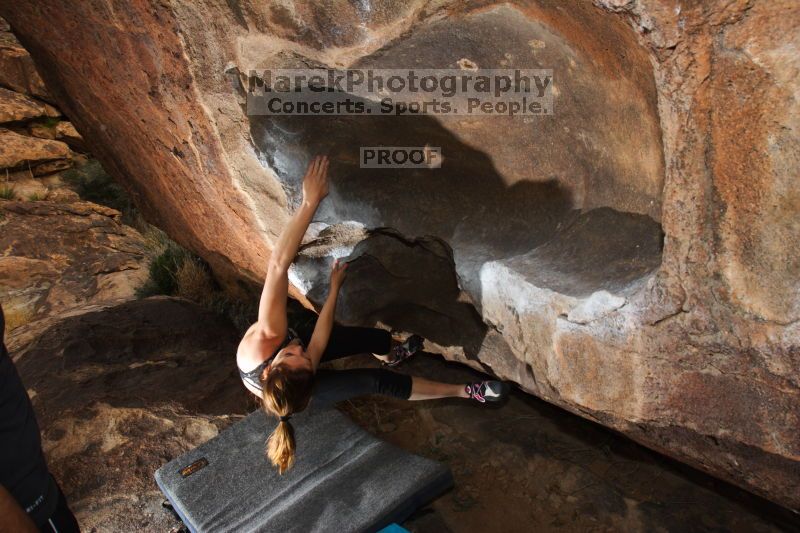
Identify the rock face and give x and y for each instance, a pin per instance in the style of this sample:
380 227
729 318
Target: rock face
633 258
31 130
17 70
58 256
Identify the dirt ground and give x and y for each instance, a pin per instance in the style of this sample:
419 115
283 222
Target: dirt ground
531 467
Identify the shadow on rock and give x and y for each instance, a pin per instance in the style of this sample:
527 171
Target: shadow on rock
138 354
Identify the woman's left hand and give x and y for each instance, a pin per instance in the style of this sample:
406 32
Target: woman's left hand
338 273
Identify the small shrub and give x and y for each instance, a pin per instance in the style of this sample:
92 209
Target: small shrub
164 272
241 313
7 193
177 272
138 223
93 184
155 240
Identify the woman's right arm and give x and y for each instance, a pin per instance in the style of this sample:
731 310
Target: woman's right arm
272 306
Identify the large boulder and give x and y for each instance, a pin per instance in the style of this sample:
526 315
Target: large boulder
632 258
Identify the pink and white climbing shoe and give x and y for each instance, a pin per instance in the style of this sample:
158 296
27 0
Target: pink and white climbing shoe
487 391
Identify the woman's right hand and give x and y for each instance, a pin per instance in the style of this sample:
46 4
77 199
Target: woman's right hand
315 182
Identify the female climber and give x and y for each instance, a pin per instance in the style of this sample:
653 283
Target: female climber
281 367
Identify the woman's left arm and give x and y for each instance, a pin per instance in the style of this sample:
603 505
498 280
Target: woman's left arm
322 329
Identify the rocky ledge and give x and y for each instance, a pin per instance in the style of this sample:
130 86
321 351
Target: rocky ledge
56 256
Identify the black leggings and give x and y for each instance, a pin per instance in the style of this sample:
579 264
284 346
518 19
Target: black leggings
332 386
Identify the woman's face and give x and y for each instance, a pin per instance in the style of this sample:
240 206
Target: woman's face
293 356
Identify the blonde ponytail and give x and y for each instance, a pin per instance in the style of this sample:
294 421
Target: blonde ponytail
281 446
285 391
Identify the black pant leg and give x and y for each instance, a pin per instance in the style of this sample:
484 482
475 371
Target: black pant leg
333 386
345 341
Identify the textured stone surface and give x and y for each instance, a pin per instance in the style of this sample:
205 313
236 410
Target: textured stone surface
56 256
16 107
43 169
17 71
23 112
20 150
689 127
561 473
66 132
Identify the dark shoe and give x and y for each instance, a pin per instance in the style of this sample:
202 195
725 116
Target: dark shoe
403 351
487 391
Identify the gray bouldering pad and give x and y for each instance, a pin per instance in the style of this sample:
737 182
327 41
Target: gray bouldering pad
343 479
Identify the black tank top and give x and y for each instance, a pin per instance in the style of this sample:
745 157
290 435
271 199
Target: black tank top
253 377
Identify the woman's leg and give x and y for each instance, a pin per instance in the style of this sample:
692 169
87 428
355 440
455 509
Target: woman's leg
345 341
425 389
333 386
402 351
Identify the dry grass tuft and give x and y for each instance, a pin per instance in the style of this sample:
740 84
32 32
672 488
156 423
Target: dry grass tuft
7 193
194 282
156 241
37 197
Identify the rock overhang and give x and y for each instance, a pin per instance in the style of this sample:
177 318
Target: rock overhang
570 202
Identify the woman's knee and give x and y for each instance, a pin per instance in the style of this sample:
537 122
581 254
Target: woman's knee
393 384
379 341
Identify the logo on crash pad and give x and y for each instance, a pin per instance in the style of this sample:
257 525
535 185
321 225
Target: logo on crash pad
194 467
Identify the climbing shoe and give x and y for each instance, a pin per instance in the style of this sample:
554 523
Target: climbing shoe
487 391
403 351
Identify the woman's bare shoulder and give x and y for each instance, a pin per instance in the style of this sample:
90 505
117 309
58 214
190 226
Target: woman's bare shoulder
256 345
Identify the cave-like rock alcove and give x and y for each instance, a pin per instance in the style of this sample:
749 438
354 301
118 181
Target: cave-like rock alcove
567 204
